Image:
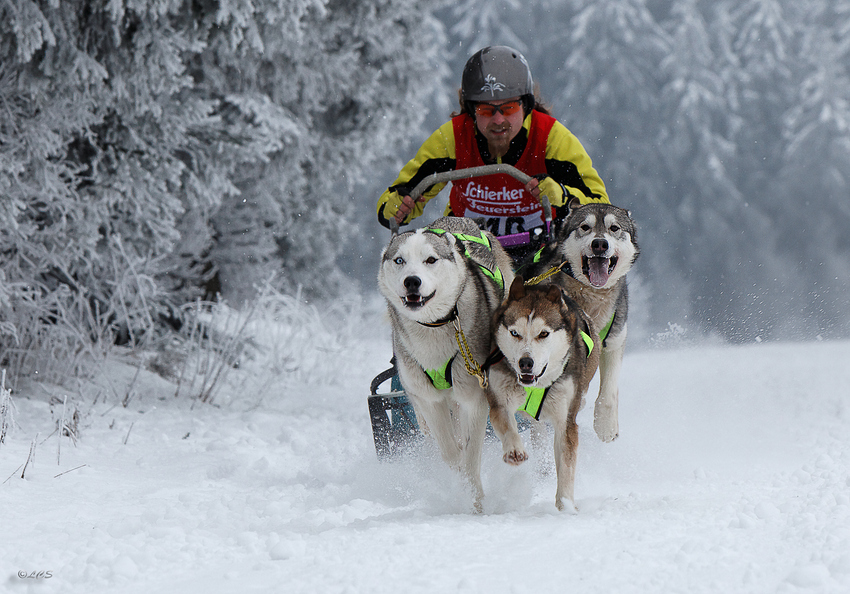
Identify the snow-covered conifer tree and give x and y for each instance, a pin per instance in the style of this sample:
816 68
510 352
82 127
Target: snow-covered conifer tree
146 146
351 80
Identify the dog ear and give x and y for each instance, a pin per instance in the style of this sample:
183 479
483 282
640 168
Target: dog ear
456 246
572 204
517 290
554 294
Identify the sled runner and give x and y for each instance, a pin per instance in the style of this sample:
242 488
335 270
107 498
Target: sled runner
394 425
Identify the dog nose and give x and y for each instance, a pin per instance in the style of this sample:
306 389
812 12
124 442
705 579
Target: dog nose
599 246
526 364
412 283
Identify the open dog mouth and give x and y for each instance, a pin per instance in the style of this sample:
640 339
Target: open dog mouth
415 300
529 379
598 269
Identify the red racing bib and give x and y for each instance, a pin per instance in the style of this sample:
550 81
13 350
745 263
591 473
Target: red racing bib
501 200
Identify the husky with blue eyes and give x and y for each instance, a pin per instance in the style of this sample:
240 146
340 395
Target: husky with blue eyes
548 360
442 285
582 304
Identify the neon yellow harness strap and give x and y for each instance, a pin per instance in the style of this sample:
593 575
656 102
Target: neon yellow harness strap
537 256
534 401
588 341
482 240
441 378
603 334
495 275
534 397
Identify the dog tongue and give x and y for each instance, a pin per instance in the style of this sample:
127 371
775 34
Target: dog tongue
598 271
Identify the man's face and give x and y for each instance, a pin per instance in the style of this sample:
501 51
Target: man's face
497 127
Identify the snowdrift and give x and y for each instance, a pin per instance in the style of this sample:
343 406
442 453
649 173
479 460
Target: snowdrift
731 474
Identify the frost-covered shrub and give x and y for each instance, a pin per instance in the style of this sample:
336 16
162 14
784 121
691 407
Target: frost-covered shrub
278 340
7 418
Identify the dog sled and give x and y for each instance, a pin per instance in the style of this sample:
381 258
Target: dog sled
395 428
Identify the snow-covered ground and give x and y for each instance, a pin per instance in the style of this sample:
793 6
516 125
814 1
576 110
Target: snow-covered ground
731 474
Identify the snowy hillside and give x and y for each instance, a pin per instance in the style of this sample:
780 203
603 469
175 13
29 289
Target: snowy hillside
731 474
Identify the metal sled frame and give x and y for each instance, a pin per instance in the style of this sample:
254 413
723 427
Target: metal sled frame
394 425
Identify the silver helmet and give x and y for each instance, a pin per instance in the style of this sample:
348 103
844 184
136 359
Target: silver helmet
494 73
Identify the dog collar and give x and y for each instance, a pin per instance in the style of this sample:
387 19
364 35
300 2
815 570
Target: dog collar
567 269
496 356
442 322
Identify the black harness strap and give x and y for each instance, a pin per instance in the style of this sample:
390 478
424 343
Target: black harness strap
494 358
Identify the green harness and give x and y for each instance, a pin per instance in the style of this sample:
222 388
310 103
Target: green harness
441 378
603 334
535 396
495 275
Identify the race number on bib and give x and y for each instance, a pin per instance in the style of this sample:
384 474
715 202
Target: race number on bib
506 225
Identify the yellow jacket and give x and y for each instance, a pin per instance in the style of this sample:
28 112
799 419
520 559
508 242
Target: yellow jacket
566 162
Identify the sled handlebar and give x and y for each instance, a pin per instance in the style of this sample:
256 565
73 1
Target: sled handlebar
456 174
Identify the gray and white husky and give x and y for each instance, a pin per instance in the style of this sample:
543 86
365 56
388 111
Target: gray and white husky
549 360
442 285
597 247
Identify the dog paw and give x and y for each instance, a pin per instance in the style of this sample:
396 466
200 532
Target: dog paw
515 458
513 449
606 426
566 505
607 432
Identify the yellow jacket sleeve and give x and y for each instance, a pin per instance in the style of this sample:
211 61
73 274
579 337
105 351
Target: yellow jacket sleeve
437 154
568 163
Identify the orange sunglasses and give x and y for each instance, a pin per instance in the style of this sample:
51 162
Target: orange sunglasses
488 110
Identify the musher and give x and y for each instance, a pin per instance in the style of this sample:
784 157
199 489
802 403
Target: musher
500 121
